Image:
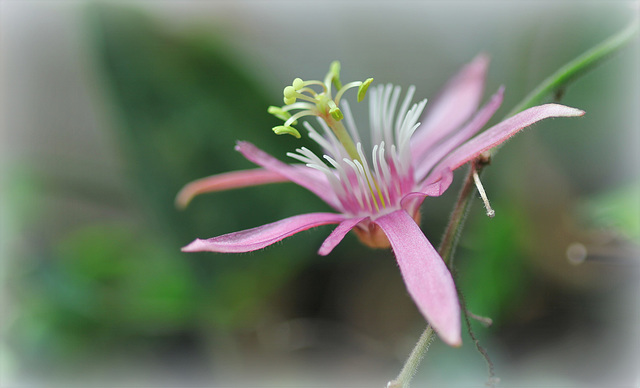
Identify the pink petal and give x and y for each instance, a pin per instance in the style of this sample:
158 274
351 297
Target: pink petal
427 278
433 156
456 103
262 236
338 234
226 181
430 188
312 180
436 185
504 130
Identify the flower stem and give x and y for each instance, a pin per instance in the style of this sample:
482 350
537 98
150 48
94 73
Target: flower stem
411 366
577 67
458 216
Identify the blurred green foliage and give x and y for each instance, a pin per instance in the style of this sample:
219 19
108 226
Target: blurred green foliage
102 287
617 209
493 275
183 105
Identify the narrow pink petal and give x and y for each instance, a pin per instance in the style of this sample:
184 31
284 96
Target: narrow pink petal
481 118
427 278
456 103
312 180
338 234
227 181
503 131
262 236
436 185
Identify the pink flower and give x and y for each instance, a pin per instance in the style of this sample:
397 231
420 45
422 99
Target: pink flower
377 185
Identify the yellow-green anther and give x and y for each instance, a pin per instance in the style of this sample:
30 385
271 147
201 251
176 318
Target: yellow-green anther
304 98
289 92
362 90
336 113
298 84
281 130
279 112
334 70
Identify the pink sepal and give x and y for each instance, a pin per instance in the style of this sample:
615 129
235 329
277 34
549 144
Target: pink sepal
259 237
227 181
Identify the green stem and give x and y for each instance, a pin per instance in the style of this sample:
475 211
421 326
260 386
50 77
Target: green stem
458 216
413 362
577 67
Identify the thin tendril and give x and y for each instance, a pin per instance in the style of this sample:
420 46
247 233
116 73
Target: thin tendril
492 380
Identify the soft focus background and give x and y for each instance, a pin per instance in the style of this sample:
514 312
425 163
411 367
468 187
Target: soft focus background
107 109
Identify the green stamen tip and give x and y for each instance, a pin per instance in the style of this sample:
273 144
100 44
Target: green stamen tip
334 70
289 101
281 130
298 84
336 113
280 113
290 92
362 90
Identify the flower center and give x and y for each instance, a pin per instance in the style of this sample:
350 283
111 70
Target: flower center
366 183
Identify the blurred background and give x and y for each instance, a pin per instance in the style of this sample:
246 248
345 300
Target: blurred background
108 109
